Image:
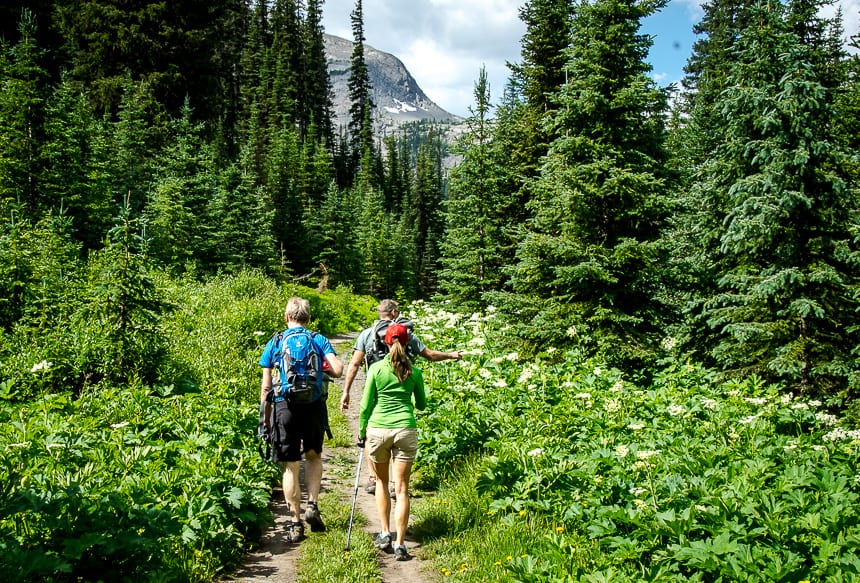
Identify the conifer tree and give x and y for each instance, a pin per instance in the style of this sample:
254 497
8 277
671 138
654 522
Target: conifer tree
74 176
361 104
179 228
471 252
318 95
23 92
589 261
426 222
286 59
783 208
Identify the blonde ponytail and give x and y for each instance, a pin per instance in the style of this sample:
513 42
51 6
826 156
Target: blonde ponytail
400 362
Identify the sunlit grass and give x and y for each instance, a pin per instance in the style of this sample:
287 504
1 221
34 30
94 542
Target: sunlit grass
323 555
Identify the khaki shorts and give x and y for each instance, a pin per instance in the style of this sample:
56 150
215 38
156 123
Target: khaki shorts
401 443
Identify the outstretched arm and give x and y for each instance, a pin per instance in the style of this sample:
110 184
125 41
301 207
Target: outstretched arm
351 371
436 356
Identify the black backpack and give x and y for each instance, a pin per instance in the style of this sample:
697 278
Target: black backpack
379 347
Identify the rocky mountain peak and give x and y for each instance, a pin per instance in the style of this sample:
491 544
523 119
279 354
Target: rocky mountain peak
396 95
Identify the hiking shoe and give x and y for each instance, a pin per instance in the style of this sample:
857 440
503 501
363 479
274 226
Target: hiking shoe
400 553
312 517
383 541
371 486
296 532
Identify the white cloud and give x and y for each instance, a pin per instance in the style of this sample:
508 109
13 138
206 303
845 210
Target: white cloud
443 43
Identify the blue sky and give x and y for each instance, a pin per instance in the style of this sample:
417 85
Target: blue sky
444 43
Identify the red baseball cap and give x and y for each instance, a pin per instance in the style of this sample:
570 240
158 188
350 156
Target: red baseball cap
397 332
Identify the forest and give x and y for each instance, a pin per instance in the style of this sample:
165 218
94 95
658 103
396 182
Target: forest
153 152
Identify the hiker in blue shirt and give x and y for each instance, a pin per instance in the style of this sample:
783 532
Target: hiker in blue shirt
297 427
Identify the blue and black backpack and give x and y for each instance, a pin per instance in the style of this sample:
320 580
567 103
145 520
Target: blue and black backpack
297 373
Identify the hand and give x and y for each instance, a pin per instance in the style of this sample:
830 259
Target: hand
361 441
458 355
344 402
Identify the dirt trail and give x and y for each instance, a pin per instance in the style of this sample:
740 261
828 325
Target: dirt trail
275 560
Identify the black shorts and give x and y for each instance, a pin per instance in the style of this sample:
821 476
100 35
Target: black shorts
298 428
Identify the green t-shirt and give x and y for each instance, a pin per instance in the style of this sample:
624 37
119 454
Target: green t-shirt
386 402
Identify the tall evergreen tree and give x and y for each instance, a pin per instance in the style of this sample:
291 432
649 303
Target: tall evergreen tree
427 222
589 261
23 93
361 104
318 93
781 240
287 61
471 260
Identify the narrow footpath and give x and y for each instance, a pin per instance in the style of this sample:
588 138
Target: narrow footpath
275 560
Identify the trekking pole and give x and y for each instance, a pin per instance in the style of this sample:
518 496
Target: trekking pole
354 496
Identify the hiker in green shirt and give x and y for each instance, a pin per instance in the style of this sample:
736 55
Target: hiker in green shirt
387 427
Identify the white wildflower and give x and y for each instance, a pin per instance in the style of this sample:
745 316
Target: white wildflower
571 332
636 426
826 418
258 332
551 349
513 356
567 384
669 343
800 406
491 309
120 425
55 445
535 452
485 374
598 371
525 375
840 434
500 383
676 410
478 341
583 395
786 399
622 450
637 491
815 403
789 447
617 387
612 405
43 366
644 454
756 400
818 447
709 403
748 420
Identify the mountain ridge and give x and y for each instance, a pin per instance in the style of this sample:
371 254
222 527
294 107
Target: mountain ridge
397 97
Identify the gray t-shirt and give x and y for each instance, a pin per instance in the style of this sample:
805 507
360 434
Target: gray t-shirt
365 343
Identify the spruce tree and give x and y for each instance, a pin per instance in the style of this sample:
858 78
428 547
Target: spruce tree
361 104
318 95
23 93
781 240
589 261
472 251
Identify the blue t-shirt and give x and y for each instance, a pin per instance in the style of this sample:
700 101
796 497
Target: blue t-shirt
267 360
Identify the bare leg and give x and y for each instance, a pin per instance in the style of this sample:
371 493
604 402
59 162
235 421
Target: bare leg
292 490
313 474
383 498
402 471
